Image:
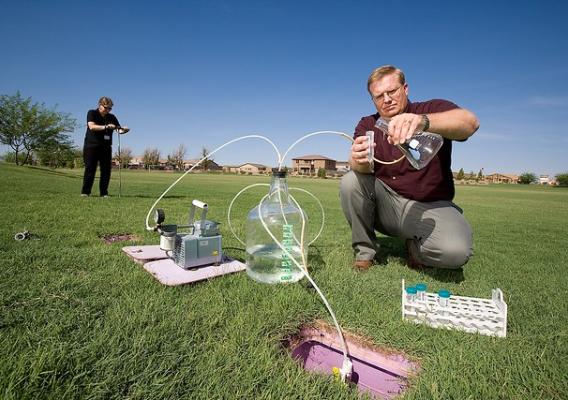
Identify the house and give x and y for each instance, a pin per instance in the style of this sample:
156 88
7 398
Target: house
252 168
310 164
136 163
209 165
342 166
233 169
502 178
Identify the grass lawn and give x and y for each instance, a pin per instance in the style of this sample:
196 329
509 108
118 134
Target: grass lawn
78 319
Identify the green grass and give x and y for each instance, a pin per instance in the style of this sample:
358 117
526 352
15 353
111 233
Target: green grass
78 319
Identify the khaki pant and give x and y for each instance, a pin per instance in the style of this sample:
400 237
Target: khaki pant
437 232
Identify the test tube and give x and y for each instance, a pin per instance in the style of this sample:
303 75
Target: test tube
410 294
444 297
421 291
370 142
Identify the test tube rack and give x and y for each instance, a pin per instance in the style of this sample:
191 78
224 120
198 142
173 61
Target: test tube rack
469 314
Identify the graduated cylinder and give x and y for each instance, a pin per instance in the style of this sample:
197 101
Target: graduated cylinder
265 261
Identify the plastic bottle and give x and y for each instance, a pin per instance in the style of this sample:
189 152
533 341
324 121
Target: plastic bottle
265 261
420 291
420 149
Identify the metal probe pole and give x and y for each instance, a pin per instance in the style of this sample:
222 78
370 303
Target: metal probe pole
119 167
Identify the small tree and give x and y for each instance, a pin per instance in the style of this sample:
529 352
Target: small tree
207 161
55 154
124 158
10 157
480 175
562 179
321 173
78 161
28 127
176 157
527 177
461 175
151 157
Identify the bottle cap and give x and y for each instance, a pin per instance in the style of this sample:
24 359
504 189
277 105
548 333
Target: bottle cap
278 173
421 287
411 290
444 293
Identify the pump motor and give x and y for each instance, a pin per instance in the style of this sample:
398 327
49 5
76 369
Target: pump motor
199 246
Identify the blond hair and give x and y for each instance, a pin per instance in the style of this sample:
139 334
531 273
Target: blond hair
105 101
379 73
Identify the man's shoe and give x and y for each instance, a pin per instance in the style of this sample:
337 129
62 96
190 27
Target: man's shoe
84 195
362 265
411 261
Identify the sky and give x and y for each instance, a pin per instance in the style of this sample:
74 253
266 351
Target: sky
201 73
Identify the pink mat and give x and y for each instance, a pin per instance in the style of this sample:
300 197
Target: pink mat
170 274
157 263
144 254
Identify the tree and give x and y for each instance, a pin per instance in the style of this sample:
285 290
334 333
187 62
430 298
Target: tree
176 157
527 177
78 161
151 157
562 179
480 175
321 173
27 127
124 157
206 160
461 174
56 154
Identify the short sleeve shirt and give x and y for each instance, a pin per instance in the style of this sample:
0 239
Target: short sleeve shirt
433 182
99 138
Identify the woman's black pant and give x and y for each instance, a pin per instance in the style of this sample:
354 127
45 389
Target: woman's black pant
92 156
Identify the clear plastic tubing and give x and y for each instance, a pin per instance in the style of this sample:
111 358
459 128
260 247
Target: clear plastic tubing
420 291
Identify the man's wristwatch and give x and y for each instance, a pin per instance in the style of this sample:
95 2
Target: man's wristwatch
426 121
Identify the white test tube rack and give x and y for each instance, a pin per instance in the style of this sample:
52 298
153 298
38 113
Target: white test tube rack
469 314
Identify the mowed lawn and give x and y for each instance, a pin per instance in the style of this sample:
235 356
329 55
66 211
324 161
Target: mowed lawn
78 319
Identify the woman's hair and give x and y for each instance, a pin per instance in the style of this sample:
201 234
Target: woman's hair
105 101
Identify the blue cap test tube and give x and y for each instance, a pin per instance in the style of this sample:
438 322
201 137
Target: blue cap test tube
444 297
421 291
410 293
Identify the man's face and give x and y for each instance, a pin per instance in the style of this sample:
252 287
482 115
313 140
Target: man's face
104 109
389 96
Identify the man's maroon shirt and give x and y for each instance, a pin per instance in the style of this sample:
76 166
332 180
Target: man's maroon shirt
431 183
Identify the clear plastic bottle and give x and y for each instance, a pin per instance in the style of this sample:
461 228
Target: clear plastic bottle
420 149
265 261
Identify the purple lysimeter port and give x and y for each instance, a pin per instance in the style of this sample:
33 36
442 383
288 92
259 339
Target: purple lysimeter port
383 375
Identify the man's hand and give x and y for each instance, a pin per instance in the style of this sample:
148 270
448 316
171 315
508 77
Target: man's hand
110 126
403 126
360 150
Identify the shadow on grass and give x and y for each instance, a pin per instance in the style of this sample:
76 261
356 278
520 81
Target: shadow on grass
236 253
150 196
56 172
394 247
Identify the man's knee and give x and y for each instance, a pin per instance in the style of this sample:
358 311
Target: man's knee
456 252
349 184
